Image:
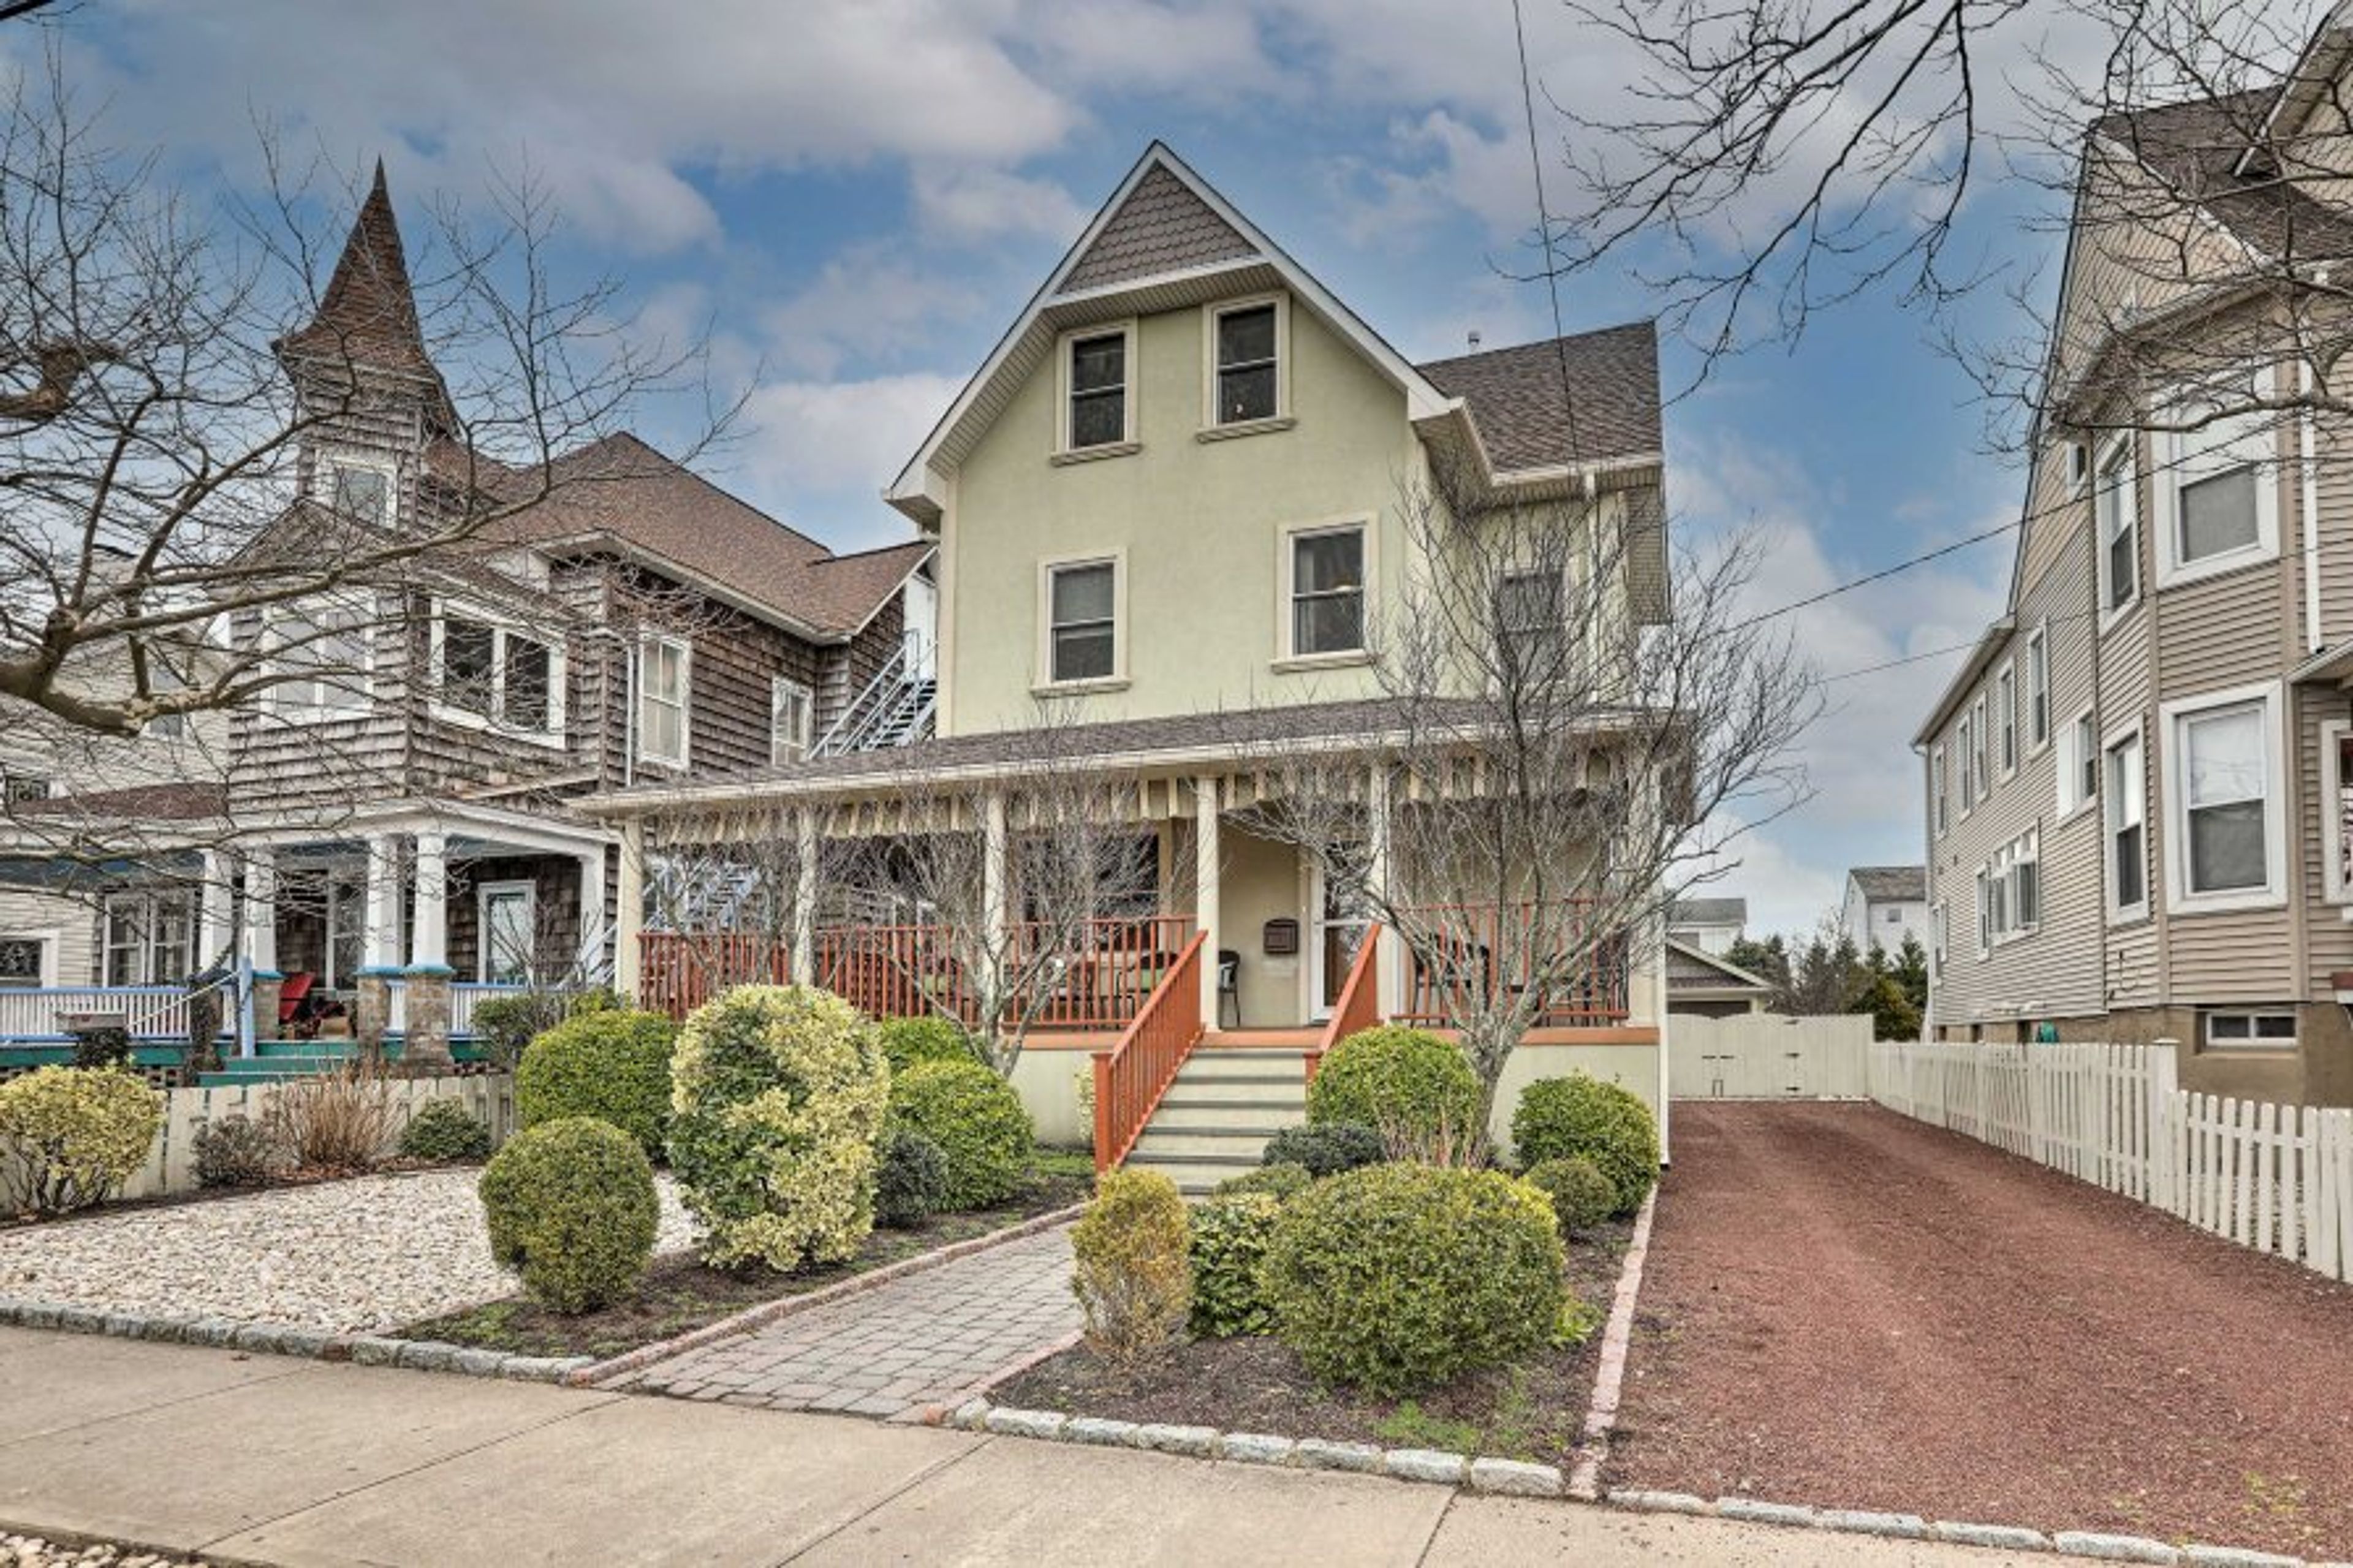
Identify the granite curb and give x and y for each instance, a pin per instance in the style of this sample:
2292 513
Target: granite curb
598 1373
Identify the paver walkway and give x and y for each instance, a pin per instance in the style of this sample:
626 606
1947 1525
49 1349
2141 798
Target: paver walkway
923 1340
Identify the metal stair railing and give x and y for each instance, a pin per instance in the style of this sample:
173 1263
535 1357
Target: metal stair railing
893 710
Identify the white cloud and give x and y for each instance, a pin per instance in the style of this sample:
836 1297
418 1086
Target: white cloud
844 437
964 203
866 305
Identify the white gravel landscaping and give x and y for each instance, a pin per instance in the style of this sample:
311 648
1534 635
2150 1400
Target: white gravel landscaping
363 1256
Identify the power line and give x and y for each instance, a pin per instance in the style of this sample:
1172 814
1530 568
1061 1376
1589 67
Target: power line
1544 229
1883 574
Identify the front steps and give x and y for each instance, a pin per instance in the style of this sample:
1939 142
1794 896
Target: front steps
1217 1117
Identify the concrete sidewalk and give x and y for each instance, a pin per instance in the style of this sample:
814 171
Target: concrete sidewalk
281 1462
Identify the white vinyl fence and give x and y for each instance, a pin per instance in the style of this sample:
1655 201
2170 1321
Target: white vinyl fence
2277 1178
1766 1056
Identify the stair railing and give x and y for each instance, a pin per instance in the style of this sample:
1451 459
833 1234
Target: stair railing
1133 1076
870 713
1360 1006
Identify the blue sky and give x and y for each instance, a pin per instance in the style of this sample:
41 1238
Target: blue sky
857 198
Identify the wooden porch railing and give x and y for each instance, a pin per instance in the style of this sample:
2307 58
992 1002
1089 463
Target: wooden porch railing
1360 1006
1131 1078
1482 950
146 1011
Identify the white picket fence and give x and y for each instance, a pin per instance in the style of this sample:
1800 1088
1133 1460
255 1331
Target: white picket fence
2277 1178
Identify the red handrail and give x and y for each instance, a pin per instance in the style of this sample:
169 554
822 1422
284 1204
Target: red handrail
1487 949
1132 1077
1360 1006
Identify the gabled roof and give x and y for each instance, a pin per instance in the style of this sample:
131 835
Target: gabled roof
1693 969
1891 884
1568 400
2200 151
1708 912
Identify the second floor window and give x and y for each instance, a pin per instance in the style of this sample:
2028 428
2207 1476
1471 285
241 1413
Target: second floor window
16 788
2118 511
664 671
2215 502
1528 623
504 676
1980 738
792 712
2128 855
2225 787
1098 391
2006 699
323 650
1082 629
1246 364
1327 591
1939 804
2038 688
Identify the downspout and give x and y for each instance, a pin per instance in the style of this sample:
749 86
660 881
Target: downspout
2308 437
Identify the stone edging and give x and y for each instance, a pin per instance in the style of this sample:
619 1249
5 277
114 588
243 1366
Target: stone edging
290 1340
588 1375
1609 1377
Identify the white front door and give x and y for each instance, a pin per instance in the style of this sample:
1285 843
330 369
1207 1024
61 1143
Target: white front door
509 928
1337 931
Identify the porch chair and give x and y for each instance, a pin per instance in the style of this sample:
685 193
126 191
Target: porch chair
292 992
1230 984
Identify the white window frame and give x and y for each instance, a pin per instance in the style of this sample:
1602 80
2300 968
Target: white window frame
1964 745
2006 873
1212 428
1939 800
324 480
149 922
1985 885
2117 473
1045 683
2173 718
483 894
1287 539
2184 457
501 631
684 646
1981 748
1129 385
2078 465
2005 697
285 699
1940 935
49 942
2071 800
786 748
2111 780
2334 781
2254 1040
2037 692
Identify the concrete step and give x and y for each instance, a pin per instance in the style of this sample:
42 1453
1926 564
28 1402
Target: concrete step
1282 1107
1195 1177
1235 1068
1247 1143
1187 1115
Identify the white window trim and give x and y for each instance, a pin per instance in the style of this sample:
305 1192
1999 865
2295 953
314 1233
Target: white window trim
1964 747
1984 882
2116 447
2069 772
2169 460
685 646
1063 451
2006 751
482 896
1940 936
1981 752
1044 684
777 686
558 675
278 698
49 942
2273 894
2078 465
323 478
2024 849
1281 419
2038 655
2207 1042
1287 536
1940 809
152 902
2336 890
2123 914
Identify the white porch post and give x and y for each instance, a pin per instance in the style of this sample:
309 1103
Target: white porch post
383 927
590 958
629 918
261 913
1389 963
428 940
993 877
805 856
1208 860
215 925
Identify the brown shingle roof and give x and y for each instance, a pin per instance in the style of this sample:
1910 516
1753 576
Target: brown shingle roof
2196 147
1611 409
183 800
1883 884
368 314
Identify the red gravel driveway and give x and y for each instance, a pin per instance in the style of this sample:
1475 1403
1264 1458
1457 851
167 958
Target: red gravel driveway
1848 1308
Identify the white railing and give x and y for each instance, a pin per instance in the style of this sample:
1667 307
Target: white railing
2277 1178
463 998
148 1012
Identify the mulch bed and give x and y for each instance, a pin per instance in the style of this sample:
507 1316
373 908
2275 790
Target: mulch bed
1534 1409
680 1294
1848 1308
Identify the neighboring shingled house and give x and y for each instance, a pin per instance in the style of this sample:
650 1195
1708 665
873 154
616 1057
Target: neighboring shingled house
1884 904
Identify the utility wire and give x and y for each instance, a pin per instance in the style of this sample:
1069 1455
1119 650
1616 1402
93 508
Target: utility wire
1544 230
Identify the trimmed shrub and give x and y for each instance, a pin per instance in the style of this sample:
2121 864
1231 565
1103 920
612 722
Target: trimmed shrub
975 1119
234 1150
1230 1240
1281 1180
1325 1150
907 1041
1135 1275
572 1209
1412 1088
101 1046
73 1135
777 1097
445 1129
1582 1197
504 1027
911 1181
1397 1277
604 1062
1579 1114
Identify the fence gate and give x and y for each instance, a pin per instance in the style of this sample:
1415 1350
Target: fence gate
1761 1056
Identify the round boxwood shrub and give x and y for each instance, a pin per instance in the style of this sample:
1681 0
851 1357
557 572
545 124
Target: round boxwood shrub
1134 1277
606 1063
907 1041
234 1150
1282 1182
1412 1088
1325 1150
572 1209
1397 1277
445 1129
911 1181
975 1119
1230 1233
1579 1114
79 1133
1582 1197
778 1095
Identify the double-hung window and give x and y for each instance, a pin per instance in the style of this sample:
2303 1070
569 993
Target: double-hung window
1327 591
148 939
1097 379
1530 625
2126 836
1247 368
2014 883
792 712
1986 886
1965 747
2079 766
1980 740
1939 805
322 650
2116 507
1081 621
2225 838
2217 491
665 680
2005 697
2038 688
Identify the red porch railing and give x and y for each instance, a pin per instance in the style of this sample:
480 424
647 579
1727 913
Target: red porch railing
1132 1076
1464 952
1360 1006
680 971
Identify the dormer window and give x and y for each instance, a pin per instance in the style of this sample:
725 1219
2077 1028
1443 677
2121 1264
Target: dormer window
1098 381
1246 364
361 490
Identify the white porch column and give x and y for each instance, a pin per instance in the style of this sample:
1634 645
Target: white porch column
806 850
261 912
1380 871
629 918
590 959
1208 861
215 925
993 878
428 935
382 927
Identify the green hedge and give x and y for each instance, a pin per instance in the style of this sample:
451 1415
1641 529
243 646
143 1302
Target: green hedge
1412 1088
1561 1117
572 1209
1230 1234
1326 1149
907 1041
1582 1197
1399 1276
445 1129
604 1063
978 1122
1281 1180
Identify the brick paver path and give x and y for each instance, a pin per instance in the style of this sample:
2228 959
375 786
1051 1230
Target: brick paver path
919 1341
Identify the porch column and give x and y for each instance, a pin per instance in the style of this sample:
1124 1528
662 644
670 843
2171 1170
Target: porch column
260 937
216 922
629 918
380 955
1389 962
425 1045
805 854
1208 860
993 879
590 961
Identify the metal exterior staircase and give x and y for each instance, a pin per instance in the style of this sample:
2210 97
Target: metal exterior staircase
1215 1120
896 709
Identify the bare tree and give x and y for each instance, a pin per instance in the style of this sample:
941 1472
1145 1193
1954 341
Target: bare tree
1558 729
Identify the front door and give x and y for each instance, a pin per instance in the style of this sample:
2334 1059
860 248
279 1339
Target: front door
1341 916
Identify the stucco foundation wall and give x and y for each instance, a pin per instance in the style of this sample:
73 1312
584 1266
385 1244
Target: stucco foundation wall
1632 1066
1048 1083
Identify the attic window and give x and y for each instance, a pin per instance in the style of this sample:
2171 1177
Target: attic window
1098 391
362 491
1247 364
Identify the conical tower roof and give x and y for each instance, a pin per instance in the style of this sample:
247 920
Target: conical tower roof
368 315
